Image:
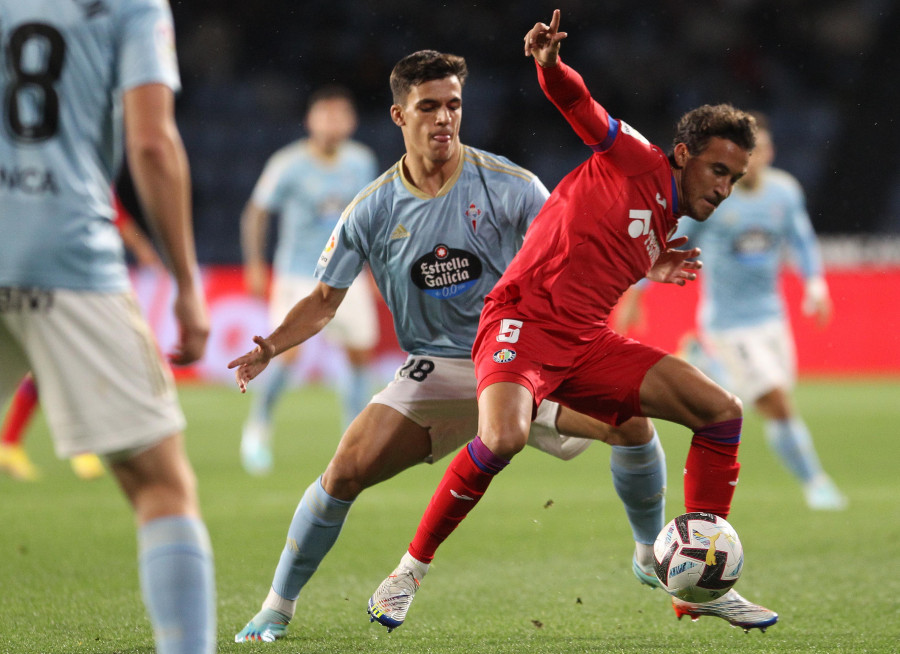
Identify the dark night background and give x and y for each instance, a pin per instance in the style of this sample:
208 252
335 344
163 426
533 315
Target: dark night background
826 73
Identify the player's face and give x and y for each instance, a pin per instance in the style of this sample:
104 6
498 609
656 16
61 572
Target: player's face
709 177
331 121
430 119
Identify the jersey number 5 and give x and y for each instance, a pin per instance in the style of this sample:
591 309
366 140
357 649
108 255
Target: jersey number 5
509 330
35 54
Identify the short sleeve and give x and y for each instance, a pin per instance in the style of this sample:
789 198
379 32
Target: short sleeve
147 45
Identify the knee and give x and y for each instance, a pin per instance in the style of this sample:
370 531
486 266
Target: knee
159 499
342 481
507 442
631 433
727 407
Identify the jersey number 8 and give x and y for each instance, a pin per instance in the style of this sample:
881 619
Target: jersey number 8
35 53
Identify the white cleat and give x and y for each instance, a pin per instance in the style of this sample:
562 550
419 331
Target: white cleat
730 607
390 602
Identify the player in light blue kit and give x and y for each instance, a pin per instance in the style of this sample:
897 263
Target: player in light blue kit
745 337
308 183
437 229
73 74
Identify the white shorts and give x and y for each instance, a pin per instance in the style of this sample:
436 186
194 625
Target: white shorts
103 385
757 359
439 394
355 324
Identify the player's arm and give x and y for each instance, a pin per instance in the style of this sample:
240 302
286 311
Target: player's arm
254 227
816 298
134 239
159 166
564 87
303 321
138 244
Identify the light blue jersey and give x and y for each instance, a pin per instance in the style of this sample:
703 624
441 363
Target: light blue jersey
744 245
63 67
434 259
309 196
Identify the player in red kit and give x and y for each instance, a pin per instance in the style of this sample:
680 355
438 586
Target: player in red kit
543 332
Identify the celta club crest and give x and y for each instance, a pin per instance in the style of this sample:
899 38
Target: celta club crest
472 213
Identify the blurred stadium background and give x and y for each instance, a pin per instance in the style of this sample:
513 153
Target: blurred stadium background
825 72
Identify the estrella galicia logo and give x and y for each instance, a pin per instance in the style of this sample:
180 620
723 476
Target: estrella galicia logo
446 272
504 356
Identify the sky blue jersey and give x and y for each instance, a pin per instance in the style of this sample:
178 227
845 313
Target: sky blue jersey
434 259
63 67
309 195
744 245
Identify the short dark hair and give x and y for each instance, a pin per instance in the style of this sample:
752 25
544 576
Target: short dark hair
330 92
425 66
699 125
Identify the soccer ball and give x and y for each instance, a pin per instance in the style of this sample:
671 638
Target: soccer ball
698 557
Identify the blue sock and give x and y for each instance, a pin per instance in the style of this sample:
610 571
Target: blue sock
272 385
791 441
355 390
316 524
639 476
178 582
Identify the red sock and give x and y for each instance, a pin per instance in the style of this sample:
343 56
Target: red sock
21 408
711 470
465 481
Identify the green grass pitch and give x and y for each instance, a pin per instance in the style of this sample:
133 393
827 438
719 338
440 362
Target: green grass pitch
542 565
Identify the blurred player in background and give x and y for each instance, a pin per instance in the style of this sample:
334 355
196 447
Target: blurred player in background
438 229
742 317
543 332
308 183
74 76
14 460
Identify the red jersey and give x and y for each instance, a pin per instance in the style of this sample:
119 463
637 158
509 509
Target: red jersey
603 226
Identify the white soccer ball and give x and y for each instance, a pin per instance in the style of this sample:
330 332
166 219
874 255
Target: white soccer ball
698 557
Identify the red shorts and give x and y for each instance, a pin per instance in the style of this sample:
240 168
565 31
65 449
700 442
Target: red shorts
600 377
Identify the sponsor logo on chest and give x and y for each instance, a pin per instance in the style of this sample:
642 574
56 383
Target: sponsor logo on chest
446 272
639 227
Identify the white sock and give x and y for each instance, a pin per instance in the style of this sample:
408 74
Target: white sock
415 566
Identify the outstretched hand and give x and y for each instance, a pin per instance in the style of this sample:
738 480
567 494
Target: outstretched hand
542 41
254 362
676 266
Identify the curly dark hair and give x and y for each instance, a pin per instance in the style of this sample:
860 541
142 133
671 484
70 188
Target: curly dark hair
699 125
424 66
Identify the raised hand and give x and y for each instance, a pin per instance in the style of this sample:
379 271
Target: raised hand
542 41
